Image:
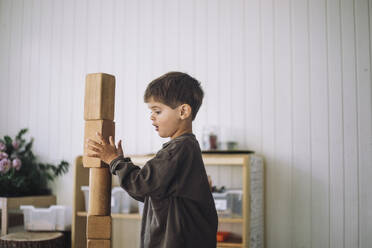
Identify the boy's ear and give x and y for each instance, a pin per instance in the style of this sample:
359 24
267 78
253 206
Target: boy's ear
185 111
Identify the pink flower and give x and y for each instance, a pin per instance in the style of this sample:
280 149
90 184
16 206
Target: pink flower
3 155
5 165
15 144
17 163
2 146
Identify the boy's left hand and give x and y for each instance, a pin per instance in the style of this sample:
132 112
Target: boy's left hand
103 150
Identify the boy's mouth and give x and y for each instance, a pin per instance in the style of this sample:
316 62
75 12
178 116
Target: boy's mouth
156 127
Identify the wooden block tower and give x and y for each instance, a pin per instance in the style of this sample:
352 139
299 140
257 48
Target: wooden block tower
99 117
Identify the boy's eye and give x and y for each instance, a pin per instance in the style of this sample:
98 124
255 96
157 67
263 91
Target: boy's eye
156 112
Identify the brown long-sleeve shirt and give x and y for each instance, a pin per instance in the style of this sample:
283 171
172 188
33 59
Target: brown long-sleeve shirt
179 210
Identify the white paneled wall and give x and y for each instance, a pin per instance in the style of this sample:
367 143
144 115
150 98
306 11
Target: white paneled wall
290 79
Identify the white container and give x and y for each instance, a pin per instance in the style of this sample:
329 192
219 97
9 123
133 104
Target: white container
85 189
56 217
116 196
235 202
126 203
221 203
121 201
140 207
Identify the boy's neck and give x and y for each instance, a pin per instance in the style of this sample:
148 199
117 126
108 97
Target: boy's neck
183 130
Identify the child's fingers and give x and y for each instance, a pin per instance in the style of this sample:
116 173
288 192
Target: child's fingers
93 143
120 148
94 149
100 137
93 155
111 139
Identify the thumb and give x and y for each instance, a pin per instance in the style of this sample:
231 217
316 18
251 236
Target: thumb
120 148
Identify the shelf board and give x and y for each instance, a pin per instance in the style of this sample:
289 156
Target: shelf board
37 201
230 220
231 242
208 159
227 244
136 216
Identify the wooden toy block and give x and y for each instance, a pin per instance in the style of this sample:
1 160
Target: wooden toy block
99 100
98 227
99 191
99 243
106 128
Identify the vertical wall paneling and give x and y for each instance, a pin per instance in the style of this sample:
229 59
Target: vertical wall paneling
119 69
94 36
211 89
65 80
301 184
78 79
5 20
364 103
282 113
145 16
44 71
268 115
289 79
55 83
186 42
4 50
224 70
106 36
238 88
130 79
336 141
186 19
67 70
13 66
34 76
350 124
201 60
171 39
252 75
319 124
157 64
24 63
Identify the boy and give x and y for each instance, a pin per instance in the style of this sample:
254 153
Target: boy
179 210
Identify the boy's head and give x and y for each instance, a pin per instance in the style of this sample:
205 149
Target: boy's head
174 89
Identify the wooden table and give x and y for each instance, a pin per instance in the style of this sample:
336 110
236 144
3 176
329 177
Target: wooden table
7 203
33 240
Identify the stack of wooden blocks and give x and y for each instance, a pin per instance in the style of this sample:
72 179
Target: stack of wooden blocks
99 117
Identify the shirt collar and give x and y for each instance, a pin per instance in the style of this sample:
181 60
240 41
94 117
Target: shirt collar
178 138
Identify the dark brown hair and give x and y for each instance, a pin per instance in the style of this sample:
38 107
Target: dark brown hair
174 89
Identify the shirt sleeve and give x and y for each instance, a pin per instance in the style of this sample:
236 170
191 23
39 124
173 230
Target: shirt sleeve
157 176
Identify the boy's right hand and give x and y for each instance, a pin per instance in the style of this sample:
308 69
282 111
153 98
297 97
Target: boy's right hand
106 151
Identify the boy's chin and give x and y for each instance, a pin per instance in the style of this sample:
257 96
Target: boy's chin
163 136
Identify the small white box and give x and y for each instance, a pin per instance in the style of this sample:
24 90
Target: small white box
235 202
123 202
56 217
85 189
221 203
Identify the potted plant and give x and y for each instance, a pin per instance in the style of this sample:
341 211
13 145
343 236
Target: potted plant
21 174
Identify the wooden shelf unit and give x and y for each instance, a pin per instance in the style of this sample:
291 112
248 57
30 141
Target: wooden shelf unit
82 178
7 203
